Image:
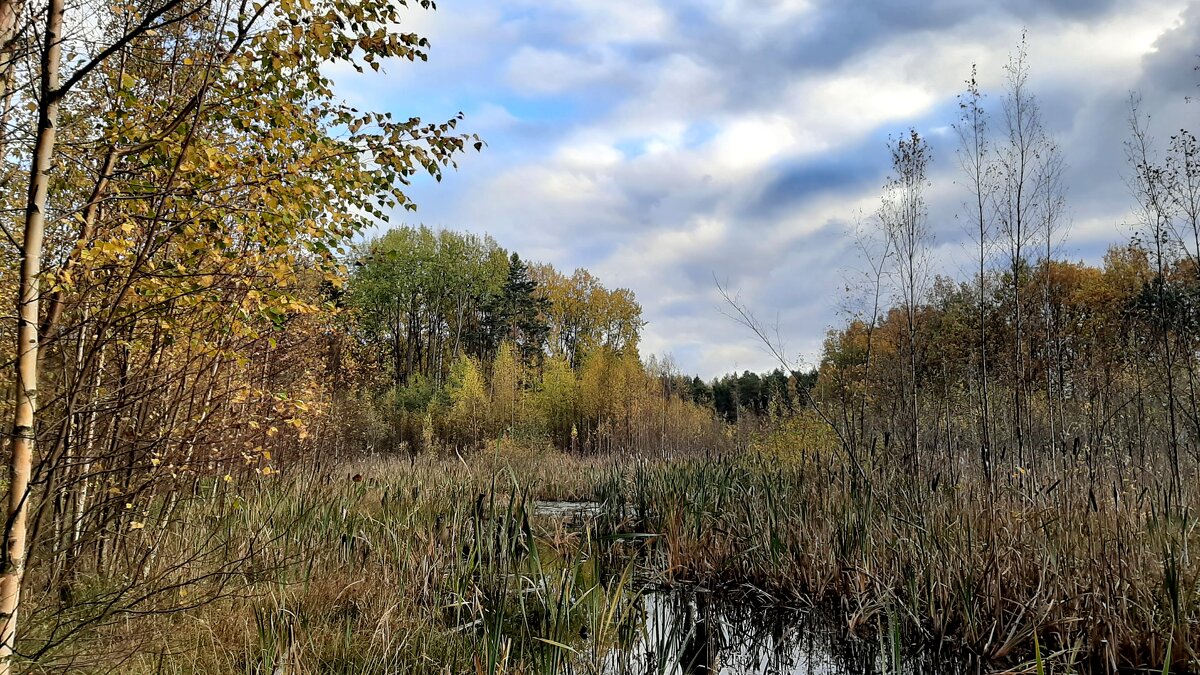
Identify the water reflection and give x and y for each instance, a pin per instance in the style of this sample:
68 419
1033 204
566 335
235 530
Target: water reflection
588 612
686 632
567 510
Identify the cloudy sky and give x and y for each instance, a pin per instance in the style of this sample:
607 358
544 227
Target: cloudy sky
660 143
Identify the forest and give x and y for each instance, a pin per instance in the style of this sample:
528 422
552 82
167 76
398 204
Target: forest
453 341
257 426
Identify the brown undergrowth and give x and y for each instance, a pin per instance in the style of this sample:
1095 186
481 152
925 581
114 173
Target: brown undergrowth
443 565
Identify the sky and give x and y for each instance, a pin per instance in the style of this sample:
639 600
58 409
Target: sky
667 145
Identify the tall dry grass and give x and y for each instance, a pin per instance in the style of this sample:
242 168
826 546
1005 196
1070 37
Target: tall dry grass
1092 556
382 566
442 566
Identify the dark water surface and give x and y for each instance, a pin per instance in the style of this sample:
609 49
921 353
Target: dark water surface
686 631
691 631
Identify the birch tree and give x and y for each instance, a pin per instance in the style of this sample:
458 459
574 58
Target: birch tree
238 171
975 162
1151 186
904 215
1025 163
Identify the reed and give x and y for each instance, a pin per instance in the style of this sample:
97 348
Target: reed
1066 557
443 565
433 566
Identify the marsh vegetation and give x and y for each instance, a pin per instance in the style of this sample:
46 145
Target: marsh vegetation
248 437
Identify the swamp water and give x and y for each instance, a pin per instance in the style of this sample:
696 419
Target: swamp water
686 631
608 615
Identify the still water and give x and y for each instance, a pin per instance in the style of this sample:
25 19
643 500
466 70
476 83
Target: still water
690 631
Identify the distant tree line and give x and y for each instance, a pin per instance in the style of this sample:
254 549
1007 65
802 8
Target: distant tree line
451 340
773 394
421 297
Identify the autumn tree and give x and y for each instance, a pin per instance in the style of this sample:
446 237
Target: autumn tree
507 389
467 389
210 178
582 315
557 402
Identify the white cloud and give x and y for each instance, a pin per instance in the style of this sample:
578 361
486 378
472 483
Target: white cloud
550 71
672 122
750 142
616 21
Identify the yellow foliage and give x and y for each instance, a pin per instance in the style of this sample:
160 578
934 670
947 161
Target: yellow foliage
799 437
506 389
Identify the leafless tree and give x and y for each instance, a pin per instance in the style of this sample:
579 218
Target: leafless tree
976 163
1151 186
904 216
1027 173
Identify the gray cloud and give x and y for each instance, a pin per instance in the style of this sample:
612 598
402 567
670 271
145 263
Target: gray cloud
660 143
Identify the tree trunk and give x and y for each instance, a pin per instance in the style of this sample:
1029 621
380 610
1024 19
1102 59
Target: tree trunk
10 30
12 571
